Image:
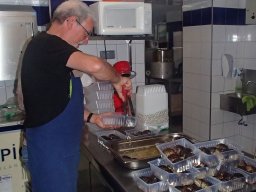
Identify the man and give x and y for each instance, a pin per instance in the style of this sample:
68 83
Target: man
53 97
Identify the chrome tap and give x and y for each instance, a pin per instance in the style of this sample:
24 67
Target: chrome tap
252 89
249 82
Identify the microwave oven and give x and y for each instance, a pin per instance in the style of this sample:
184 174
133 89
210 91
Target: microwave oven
122 18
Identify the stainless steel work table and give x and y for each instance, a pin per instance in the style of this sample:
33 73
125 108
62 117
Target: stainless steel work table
118 177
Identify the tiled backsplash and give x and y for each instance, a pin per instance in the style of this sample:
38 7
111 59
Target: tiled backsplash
121 49
94 47
6 90
203 47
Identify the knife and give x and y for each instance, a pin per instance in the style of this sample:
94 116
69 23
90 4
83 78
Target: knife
125 103
131 106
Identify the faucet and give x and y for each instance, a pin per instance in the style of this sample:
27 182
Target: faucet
250 82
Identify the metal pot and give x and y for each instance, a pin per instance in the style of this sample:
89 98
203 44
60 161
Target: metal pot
162 64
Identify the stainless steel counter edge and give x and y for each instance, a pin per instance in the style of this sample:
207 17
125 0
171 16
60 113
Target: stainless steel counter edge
16 120
11 123
119 178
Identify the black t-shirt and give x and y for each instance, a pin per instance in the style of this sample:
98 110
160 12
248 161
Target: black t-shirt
45 78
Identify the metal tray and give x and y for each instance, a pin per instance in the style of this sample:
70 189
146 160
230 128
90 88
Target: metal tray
120 149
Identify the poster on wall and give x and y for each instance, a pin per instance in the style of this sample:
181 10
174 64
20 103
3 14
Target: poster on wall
13 175
6 183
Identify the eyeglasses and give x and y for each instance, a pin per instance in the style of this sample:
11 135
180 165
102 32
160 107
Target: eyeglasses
87 32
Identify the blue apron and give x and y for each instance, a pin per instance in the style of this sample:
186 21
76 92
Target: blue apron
54 148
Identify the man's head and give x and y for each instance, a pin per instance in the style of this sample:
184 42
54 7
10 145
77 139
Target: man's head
78 19
72 8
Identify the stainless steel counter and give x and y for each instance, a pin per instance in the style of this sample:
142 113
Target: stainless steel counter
16 120
118 177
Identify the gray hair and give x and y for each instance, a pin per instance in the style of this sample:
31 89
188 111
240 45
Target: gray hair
72 8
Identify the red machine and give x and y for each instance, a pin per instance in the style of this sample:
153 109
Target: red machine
124 68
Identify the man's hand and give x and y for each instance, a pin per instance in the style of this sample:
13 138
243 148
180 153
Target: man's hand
97 119
124 83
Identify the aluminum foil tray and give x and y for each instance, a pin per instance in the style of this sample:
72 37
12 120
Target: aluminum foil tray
122 149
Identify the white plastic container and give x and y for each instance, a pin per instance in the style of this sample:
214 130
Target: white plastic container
159 186
152 107
100 106
184 164
119 120
151 99
99 95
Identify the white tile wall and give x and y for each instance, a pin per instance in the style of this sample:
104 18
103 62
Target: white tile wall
26 2
247 144
196 80
206 44
239 41
2 93
216 131
122 52
189 5
9 87
6 90
229 3
89 49
121 48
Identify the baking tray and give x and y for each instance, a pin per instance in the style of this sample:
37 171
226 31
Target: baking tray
120 149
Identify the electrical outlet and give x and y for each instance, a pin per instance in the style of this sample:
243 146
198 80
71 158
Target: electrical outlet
250 12
109 54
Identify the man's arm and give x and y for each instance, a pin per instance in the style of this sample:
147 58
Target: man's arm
94 66
101 70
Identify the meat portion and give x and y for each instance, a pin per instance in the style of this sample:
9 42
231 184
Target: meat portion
178 153
246 167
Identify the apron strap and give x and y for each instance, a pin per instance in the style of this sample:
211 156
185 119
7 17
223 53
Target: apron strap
71 74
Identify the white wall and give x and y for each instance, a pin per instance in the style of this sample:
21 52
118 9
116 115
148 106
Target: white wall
121 53
25 2
6 90
196 81
203 82
240 42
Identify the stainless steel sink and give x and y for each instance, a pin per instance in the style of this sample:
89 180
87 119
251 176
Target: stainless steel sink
233 103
